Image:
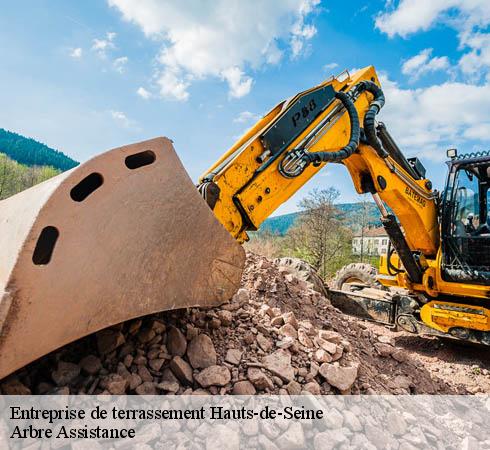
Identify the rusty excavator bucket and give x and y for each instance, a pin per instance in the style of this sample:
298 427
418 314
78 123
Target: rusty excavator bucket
123 235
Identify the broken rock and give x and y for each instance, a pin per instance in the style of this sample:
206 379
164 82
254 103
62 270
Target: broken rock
286 342
244 388
146 335
331 336
233 356
201 352
322 356
65 373
259 379
108 340
279 363
158 327
288 330
168 386
290 318
340 377
134 381
156 364
304 339
328 346
91 364
181 369
293 388
242 296
13 386
147 388
384 349
226 317
176 342
264 343
115 384
277 321
312 387
213 376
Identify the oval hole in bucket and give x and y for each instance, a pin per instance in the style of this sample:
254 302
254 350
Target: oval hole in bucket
140 159
86 187
45 246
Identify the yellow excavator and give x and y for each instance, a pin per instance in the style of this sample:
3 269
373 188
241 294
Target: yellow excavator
127 233
439 257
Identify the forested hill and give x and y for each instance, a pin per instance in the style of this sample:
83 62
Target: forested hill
352 216
29 152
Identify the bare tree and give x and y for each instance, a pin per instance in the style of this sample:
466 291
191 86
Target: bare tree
320 236
264 243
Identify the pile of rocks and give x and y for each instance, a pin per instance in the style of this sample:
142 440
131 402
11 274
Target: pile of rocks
278 335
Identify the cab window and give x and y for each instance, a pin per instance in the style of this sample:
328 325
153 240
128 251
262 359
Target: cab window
466 202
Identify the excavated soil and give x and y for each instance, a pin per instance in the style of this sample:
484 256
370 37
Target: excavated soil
279 334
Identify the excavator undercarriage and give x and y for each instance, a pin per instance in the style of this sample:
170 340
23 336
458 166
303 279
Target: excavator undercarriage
402 311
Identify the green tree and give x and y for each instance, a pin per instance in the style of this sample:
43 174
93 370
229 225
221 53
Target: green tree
15 177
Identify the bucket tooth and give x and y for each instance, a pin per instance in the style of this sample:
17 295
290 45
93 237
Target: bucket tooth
123 235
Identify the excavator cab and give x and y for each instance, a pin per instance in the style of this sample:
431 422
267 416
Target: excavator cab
466 219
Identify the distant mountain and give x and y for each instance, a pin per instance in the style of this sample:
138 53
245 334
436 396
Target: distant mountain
281 224
29 152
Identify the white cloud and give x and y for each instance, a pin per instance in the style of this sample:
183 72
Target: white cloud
422 63
121 118
118 115
427 121
76 53
246 116
411 16
101 46
470 18
301 31
143 93
172 86
330 66
477 61
224 39
239 84
119 64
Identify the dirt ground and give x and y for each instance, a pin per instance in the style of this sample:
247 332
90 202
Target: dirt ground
278 335
464 367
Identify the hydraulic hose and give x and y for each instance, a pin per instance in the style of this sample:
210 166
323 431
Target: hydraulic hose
369 119
392 270
355 133
289 166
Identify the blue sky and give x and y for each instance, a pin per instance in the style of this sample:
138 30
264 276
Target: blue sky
88 76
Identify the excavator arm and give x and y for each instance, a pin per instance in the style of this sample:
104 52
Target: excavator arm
332 122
